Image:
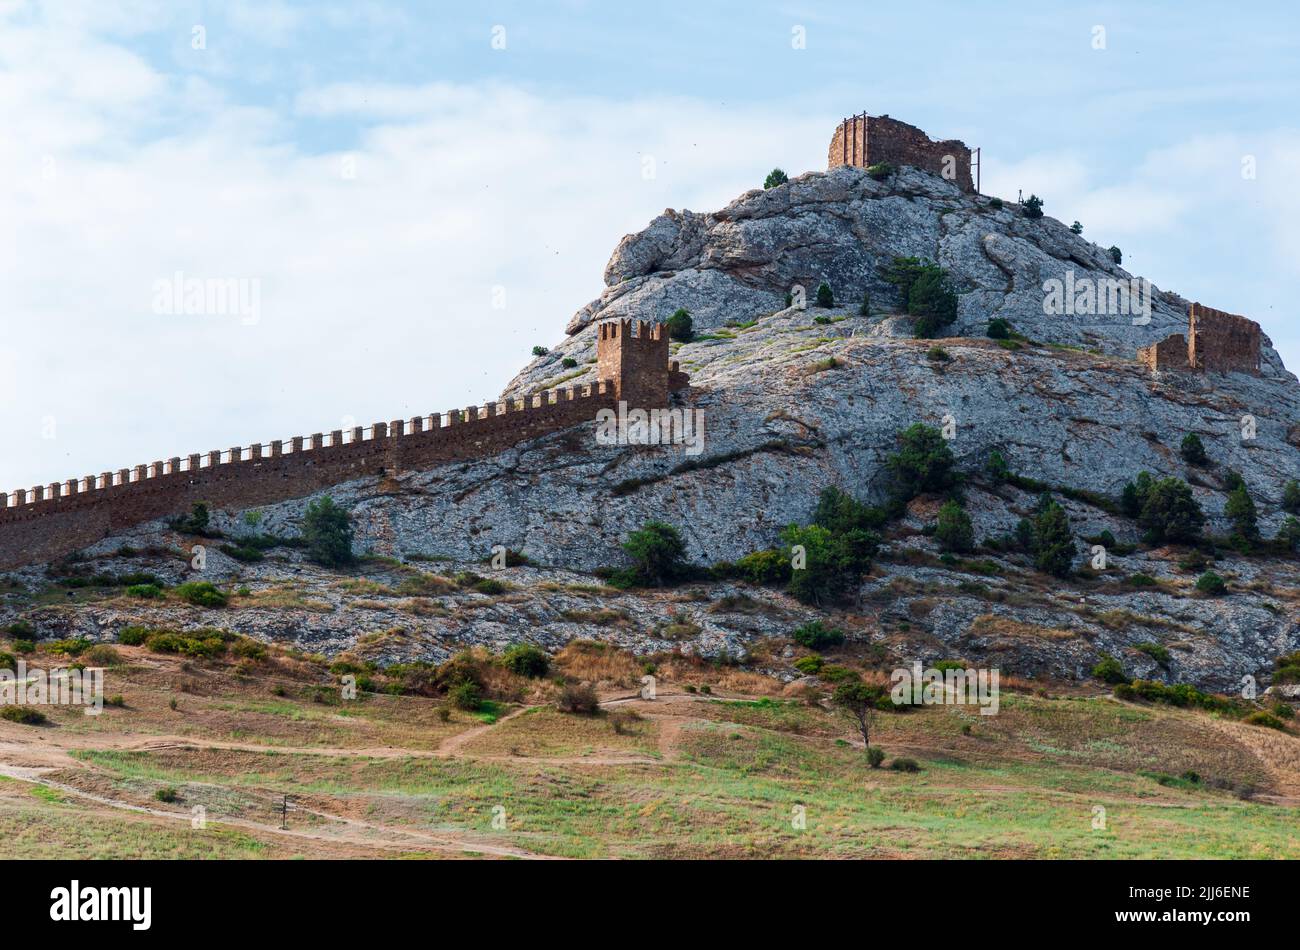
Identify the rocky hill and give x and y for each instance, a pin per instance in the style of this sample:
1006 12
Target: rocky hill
795 400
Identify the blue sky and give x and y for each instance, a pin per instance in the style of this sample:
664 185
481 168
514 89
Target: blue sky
483 176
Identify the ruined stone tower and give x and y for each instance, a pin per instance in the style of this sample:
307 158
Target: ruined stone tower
864 140
1216 342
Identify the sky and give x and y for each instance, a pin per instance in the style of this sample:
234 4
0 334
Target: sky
404 198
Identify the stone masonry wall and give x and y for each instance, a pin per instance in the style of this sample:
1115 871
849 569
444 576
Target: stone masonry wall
864 140
48 522
1216 342
1222 342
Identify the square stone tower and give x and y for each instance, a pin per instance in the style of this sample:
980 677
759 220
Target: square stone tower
865 140
633 355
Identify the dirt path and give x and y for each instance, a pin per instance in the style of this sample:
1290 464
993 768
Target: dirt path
359 833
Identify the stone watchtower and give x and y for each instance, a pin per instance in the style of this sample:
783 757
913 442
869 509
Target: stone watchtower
637 362
865 140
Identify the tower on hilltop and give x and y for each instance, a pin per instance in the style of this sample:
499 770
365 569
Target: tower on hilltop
865 140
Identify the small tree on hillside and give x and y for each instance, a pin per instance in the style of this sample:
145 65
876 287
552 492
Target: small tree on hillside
775 177
1192 450
825 298
1170 512
953 529
858 702
1291 497
327 529
680 326
1054 546
1033 207
923 462
659 554
1240 510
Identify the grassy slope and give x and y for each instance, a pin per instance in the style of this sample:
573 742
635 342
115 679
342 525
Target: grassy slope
693 777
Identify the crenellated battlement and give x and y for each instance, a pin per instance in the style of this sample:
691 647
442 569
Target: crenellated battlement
49 521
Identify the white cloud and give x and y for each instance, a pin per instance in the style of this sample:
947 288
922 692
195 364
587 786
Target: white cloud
376 291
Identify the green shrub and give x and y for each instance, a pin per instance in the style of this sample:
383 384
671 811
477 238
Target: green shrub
1157 651
202 643
243 553
540 350
202 594
1109 670
1268 720
8 661
1211 584
145 591
824 296
763 567
1288 536
248 649
1033 207
680 326
1116 254
923 462
1283 710
568 362
817 636
1076 228
1240 510
808 665
937 354
658 554
1170 512
774 178
196 522
1193 450
578 698
904 765
924 290
999 329
864 309
953 529
132 636
833 563
466 695
875 756
1287 668
1291 496
23 715
995 203
1141 580
524 659
327 530
21 630
168 795
1053 544
880 170
72 646
492 586
101 654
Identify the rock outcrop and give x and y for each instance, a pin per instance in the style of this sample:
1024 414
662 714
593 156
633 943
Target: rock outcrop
794 400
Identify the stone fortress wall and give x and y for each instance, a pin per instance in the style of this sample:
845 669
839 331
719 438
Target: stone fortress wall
864 140
50 521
